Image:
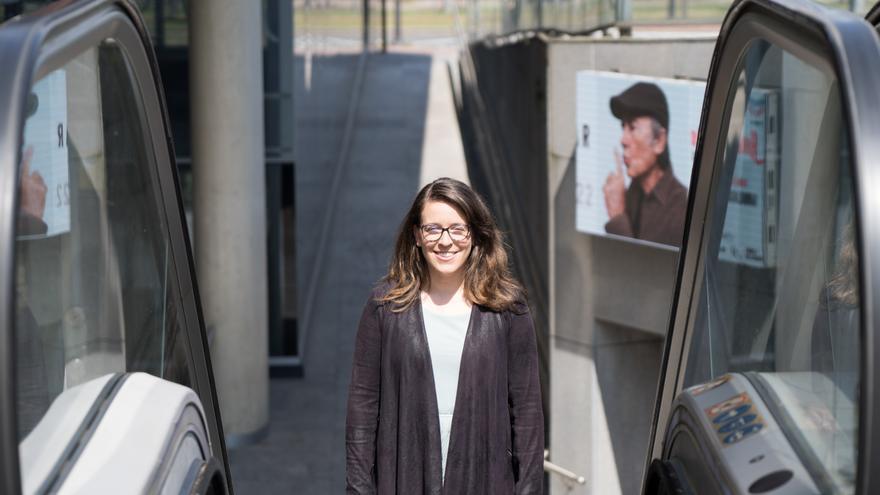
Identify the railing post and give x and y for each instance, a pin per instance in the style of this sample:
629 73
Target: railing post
366 17
624 11
384 27
475 19
540 13
397 35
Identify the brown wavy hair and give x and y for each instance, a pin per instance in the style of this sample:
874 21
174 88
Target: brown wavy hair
488 281
844 283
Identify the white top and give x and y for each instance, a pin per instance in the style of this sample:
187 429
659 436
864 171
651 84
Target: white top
446 334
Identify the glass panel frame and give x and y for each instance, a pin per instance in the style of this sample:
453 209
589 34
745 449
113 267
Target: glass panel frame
31 48
766 314
848 47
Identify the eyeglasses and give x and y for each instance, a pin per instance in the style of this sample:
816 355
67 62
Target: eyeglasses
457 232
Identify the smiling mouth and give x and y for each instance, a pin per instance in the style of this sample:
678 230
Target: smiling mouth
445 256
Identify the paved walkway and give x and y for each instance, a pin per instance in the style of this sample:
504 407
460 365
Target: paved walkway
405 135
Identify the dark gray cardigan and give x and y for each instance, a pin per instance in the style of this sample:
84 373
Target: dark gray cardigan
392 430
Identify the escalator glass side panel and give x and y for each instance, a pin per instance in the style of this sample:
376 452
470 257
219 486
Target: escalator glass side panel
94 279
776 279
779 291
93 262
101 269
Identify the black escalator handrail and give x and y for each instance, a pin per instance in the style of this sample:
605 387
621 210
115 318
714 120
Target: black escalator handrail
663 479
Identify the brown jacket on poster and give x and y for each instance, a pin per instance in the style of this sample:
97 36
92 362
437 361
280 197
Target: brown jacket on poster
392 430
657 216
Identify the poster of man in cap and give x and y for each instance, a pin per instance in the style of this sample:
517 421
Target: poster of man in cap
636 141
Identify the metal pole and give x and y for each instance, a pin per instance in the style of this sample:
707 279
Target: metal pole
384 28
475 20
540 16
397 36
624 10
366 17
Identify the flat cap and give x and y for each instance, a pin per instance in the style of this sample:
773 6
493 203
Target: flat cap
639 100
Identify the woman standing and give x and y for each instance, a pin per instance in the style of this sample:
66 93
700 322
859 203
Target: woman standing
445 395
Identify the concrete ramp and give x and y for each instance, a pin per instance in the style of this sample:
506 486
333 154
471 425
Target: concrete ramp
396 125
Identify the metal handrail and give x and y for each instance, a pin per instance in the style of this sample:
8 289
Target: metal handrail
561 471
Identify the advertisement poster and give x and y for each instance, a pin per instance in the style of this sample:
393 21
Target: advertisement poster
636 138
749 233
45 150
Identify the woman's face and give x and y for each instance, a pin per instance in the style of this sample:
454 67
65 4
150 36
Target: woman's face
447 255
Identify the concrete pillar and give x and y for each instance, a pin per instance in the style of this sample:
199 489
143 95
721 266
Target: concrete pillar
229 196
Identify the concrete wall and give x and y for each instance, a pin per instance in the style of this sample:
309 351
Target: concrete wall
609 299
503 114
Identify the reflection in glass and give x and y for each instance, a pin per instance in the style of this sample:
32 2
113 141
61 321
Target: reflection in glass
95 283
